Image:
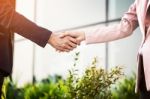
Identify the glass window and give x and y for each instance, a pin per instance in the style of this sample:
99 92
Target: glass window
62 14
118 7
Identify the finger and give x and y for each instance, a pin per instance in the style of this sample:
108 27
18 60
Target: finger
73 40
64 34
60 49
65 48
73 45
68 47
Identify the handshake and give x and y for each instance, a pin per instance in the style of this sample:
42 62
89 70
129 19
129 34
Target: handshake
67 41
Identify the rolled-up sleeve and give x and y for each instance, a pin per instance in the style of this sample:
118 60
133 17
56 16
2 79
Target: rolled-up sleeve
125 28
131 16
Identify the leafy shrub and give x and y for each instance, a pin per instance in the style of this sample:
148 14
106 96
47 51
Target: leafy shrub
46 89
125 89
95 83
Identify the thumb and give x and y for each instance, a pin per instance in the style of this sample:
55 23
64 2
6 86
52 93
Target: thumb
62 35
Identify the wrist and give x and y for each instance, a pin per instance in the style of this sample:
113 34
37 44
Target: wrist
50 40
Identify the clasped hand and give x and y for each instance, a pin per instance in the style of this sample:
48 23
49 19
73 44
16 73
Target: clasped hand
67 41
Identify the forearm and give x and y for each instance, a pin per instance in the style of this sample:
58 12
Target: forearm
110 33
29 30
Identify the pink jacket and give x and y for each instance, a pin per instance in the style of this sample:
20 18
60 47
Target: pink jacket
136 16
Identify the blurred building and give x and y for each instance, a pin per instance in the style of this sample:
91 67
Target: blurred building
60 15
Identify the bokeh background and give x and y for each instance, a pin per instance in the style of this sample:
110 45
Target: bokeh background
31 61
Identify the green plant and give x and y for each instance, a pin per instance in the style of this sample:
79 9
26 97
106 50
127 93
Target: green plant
125 89
10 90
95 82
45 89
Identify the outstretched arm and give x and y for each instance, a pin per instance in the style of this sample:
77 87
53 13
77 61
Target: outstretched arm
13 21
104 34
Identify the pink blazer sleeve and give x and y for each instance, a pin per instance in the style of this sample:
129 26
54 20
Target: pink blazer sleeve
125 28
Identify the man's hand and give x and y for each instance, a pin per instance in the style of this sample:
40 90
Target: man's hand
80 36
62 44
